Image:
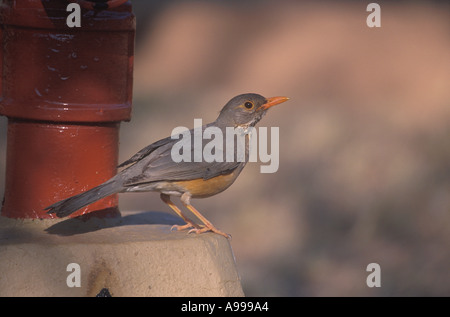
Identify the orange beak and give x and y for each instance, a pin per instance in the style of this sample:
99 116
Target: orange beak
272 102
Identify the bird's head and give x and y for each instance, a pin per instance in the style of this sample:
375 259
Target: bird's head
246 110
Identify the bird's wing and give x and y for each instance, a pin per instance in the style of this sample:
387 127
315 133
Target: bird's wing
145 151
161 167
155 163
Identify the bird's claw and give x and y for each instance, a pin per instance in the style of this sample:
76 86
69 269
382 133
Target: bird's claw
212 229
184 227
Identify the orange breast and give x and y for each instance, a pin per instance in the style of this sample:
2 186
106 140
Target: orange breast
200 188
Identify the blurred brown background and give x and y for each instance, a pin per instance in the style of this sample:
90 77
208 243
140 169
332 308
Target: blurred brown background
364 170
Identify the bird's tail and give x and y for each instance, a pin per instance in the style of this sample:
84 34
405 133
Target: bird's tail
69 205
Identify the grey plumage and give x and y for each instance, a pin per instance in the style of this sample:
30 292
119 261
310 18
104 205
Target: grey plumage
153 164
68 206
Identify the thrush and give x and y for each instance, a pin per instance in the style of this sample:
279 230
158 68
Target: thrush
154 169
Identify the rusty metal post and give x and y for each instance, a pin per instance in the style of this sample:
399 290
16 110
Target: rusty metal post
64 91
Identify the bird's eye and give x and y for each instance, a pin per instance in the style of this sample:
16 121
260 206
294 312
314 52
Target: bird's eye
248 105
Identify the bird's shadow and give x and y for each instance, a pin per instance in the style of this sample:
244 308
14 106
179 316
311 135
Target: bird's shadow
79 225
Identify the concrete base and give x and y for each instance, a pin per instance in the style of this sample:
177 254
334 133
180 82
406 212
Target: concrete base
135 255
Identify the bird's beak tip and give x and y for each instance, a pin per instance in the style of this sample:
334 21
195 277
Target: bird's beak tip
274 101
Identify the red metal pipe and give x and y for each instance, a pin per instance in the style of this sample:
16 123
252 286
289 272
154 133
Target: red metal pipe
64 91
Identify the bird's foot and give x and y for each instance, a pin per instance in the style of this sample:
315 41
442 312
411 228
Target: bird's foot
212 229
186 226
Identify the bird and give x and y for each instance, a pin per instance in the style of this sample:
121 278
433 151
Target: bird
154 169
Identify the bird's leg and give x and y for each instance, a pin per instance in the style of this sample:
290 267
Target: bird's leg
186 200
189 223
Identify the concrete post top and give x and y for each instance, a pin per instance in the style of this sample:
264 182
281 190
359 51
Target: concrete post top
132 255
131 227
